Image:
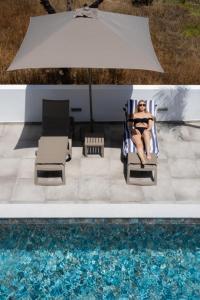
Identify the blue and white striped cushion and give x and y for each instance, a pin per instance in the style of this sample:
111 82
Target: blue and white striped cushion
128 145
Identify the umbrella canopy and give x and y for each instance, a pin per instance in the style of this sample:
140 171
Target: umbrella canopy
87 38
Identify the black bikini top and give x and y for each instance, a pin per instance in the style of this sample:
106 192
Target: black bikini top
140 120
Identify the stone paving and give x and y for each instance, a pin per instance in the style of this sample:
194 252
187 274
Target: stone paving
101 180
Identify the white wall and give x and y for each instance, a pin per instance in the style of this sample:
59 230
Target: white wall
19 103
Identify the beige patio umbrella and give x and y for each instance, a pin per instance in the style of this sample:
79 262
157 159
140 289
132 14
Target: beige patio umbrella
87 38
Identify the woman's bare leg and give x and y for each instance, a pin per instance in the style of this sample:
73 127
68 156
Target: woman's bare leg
137 140
147 137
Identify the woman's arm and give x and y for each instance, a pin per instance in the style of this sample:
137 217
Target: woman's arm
150 122
130 120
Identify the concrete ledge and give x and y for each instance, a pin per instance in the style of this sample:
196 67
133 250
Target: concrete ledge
99 211
24 102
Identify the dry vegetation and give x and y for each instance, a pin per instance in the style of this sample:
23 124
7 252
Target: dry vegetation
175 33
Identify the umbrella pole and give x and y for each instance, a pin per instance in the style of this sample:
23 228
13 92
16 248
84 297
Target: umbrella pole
90 96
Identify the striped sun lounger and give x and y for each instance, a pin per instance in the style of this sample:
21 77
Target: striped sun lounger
128 145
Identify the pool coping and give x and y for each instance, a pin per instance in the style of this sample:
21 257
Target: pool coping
115 210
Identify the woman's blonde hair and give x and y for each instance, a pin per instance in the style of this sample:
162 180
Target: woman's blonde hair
138 104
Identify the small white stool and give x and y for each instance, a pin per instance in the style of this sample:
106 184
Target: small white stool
94 144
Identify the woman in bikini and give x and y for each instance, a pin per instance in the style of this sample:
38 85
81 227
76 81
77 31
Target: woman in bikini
142 122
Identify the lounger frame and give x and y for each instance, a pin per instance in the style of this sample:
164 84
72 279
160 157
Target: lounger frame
132 160
55 145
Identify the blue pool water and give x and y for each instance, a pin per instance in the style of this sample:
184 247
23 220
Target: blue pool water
99 261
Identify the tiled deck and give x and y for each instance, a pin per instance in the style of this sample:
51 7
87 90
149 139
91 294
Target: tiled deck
96 180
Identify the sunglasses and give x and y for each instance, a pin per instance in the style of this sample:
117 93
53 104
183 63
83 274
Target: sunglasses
142 104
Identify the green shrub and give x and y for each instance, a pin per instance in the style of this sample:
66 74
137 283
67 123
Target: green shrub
191 31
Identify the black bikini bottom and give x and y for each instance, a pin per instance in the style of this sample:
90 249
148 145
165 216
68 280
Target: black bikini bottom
141 129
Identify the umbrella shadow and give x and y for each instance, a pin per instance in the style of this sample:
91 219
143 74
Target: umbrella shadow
113 131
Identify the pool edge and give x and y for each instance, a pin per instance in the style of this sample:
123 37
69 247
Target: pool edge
114 210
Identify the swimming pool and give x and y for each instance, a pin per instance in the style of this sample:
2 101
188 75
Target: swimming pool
105 259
